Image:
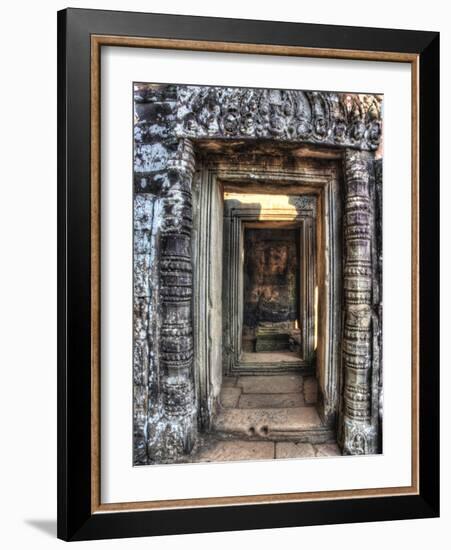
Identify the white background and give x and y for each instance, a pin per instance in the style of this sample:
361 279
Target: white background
28 276
120 482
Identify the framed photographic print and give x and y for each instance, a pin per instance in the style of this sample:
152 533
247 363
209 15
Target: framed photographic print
248 274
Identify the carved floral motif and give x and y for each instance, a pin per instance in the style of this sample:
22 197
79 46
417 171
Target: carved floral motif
316 117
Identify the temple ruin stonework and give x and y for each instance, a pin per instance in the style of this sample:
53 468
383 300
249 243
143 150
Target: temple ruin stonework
202 154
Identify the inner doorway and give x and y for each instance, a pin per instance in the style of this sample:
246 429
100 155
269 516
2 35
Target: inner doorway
269 388
266 301
271 312
269 298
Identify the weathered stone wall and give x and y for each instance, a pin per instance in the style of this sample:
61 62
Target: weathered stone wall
145 291
164 167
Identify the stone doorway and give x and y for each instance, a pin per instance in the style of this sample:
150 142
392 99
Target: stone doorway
267 277
271 315
267 417
269 287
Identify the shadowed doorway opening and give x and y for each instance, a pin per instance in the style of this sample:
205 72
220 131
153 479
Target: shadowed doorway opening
271 316
267 273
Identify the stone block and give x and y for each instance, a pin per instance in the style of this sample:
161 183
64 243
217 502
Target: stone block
229 397
237 450
143 212
142 241
266 422
141 275
310 390
229 381
270 400
272 342
271 384
328 449
288 449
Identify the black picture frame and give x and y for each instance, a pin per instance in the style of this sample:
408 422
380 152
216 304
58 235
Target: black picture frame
76 521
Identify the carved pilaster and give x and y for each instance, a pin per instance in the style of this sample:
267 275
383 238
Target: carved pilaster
177 424
359 435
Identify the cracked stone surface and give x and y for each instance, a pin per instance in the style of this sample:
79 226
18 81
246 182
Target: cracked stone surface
270 400
229 381
280 391
237 450
214 450
261 418
285 357
264 406
266 421
290 383
289 449
230 396
310 390
328 449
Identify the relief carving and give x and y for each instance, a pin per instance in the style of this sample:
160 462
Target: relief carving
352 120
358 433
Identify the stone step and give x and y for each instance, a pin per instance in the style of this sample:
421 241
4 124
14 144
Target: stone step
267 423
289 383
270 400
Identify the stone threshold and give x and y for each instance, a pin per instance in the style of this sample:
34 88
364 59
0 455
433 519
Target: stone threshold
271 408
214 450
268 422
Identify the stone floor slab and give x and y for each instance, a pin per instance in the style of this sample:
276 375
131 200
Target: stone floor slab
290 383
229 396
270 400
310 390
237 450
282 357
288 449
327 449
229 381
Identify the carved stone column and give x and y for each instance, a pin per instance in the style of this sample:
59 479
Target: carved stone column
358 433
177 425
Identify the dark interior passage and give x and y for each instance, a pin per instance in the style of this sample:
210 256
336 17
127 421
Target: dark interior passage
271 267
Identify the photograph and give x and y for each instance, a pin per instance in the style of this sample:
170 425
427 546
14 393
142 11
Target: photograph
257 269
